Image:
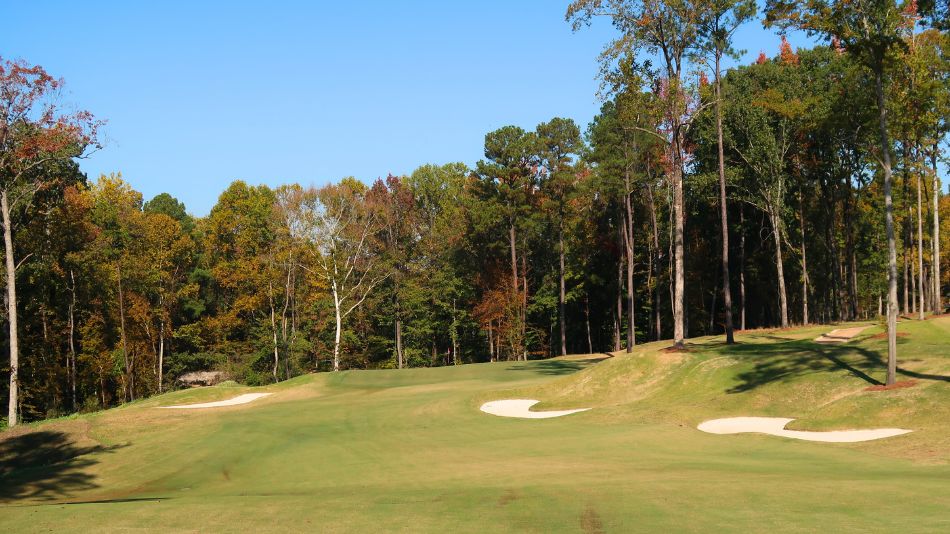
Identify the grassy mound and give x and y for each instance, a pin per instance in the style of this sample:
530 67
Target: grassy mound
408 450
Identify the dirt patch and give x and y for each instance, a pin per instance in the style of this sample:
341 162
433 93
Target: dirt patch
591 522
676 350
896 385
507 497
883 335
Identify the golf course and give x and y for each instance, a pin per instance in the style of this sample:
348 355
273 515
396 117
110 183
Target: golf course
408 450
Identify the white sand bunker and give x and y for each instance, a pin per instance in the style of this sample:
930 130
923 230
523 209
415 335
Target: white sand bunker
240 399
842 335
775 426
521 408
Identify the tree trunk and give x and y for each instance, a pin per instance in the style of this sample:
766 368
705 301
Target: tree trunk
72 338
13 411
491 343
889 224
562 296
273 328
937 297
723 212
779 264
161 354
656 264
628 246
920 248
618 312
801 218
455 336
339 326
742 268
679 274
129 385
399 360
590 344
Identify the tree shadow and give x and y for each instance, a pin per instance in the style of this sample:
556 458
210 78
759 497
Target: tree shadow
789 359
46 465
556 367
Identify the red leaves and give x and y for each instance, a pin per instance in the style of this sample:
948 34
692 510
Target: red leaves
32 127
761 59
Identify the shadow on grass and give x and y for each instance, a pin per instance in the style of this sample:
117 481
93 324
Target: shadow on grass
556 367
790 359
46 465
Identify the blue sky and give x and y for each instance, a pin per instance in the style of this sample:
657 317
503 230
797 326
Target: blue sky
197 94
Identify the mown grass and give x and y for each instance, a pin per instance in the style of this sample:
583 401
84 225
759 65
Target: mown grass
408 451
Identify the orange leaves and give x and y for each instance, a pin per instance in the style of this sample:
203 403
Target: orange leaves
788 56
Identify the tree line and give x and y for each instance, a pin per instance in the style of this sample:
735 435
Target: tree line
801 188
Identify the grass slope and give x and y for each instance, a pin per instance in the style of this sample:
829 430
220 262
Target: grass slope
408 451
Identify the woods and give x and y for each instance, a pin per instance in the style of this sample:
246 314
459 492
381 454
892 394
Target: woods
803 187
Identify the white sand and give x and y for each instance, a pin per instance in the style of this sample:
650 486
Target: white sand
240 399
775 426
520 408
842 335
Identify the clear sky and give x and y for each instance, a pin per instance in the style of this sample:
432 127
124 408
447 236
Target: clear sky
197 94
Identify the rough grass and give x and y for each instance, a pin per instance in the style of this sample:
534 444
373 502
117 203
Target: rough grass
408 451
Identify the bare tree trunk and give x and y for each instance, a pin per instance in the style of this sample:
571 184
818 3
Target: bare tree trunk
399 359
563 294
161 354
628 246
273 327
129 384
339 326
491 343
72 338
920 248
656 264
590 344
723 212
13 410
937 298
742 268
679 273
455 337
801 218
906 280
779 264
891 242
618 312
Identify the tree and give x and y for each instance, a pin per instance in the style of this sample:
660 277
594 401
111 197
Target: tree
870 30
723 18
670 29
558 140
35 134
341 226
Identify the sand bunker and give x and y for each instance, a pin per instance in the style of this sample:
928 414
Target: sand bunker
240 399
842 335
775 426
520 408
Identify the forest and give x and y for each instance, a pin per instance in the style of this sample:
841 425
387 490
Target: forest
802 188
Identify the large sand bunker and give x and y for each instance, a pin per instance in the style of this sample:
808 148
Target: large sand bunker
520 408
775 426
240 399
842 335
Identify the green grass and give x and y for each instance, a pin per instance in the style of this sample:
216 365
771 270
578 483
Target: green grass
408 451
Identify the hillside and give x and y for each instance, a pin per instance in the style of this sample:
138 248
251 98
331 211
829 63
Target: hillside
409 451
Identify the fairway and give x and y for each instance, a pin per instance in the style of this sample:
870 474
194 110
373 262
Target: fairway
409 450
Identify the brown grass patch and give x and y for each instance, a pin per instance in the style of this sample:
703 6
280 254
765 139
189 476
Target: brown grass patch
883 335
591 522
676 350
895 385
